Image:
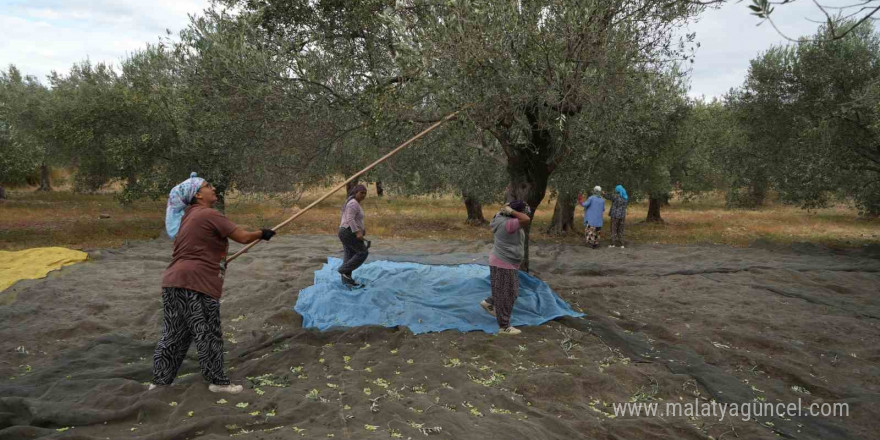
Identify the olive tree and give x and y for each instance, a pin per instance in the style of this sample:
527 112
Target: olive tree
522 71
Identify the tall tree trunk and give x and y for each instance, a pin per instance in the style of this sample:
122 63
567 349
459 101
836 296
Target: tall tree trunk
654 210
2 193
379 189
45 184
563 214
474 211
131 180
350 185
529 167
220 189
758 194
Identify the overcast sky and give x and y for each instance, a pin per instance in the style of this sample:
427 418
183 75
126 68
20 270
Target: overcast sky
39 36
729 38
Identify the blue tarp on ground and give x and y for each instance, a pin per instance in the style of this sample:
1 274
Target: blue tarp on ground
424 298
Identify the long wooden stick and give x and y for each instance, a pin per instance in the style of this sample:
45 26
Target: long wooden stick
338 187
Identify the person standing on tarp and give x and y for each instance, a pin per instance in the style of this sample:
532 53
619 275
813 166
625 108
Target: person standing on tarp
594 208
193 283
351 234
504 260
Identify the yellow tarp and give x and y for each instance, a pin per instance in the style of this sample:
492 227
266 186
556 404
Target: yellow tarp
35 263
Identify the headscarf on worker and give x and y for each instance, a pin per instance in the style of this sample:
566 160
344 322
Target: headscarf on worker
520 206
620 190
178 199
356 189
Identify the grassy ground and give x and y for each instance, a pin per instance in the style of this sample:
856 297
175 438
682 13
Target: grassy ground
61 218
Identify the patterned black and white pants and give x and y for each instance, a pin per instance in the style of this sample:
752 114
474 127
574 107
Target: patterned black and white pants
591 233
505 290
189 316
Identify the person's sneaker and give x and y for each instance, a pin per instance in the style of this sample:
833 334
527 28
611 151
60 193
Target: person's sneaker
231 389
489 308
509 331
611 246
623 247
348 281
351 283
153 386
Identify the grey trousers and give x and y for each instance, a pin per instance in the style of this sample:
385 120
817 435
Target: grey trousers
617 231
355 251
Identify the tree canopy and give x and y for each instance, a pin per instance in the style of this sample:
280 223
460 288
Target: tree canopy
277 95
808 111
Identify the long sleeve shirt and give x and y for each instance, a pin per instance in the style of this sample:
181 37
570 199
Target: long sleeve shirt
618 206
594 207
353 217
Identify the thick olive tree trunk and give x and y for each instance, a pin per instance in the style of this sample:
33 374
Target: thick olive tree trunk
529 167
758 194
474 211
45 184
220 189
563 214
654 210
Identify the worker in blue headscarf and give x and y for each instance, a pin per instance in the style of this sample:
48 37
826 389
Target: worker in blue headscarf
619 200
